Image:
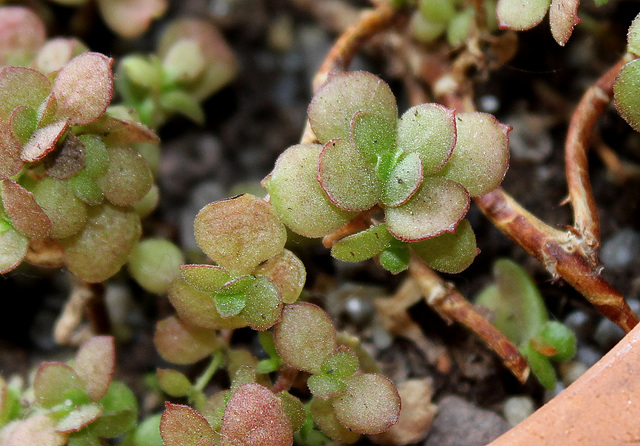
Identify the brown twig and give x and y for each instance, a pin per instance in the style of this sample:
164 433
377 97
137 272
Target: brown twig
451 305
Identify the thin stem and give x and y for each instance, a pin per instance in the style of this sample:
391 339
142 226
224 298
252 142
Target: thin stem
451 305
215 363
286 376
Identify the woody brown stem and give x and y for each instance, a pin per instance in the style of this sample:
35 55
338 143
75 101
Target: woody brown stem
451 305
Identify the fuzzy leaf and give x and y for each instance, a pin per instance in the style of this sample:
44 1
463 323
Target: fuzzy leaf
83 88
130 18
560 338
180 343
128 177
79 418
239 233
120 411
264 304
519 310
633 37
563 18
10 162
541 367
373 135
25 213
450 252
205 277
287 272
298 198
37 429
67 159
430 131
305 336
23 122
174 383
521 15
362 245
13 248
481 156
294 409
342 95
55 53
341 364
21 34
324 416
43 140
181 102
53 382
198 307
325 387
232 297
255 417
183 426
184 61
154 263
437 207
625 92
346 177
95 363
103 246
403 180
21 86
370 405
120 130
86 188
221 65
67 213
395 258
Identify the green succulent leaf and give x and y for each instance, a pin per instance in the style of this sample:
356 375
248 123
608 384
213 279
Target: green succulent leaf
142 71
481 156
294 409
305 336
560 338
206 278
362 245
346 177
324 416
23 123
460 27
437 207
403 180
395 258
96 155
633 37
180 343
437 10
174 383
178 101
430 131
86 189
154 263
128 177
148 432
66 212
342 95
325 387
120 411
53 384
449 252
232 297
13 247
625 93
373 135
239 233
264 304
21 87
297 197
340 364
184 61
518 15
287 272
540 367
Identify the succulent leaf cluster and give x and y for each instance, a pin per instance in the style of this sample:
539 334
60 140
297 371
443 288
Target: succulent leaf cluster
520 313
76 403
193 61
626 88
419 171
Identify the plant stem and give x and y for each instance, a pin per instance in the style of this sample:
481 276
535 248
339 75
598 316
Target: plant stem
451 305
286 376
212 368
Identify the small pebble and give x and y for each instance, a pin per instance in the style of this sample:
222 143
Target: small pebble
551 394
620 250
572 370
580 323
517 408
607 334
588 355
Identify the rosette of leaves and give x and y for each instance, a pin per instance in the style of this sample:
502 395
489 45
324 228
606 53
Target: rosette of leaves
626 88
420 170
520 16
128 18
520 314
76 403
253 277
436 18
192 63
346 402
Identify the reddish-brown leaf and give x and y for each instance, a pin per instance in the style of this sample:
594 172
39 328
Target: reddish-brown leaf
26 215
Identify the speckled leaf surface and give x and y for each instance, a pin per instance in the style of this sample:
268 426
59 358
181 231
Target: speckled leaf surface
563 18
362 245
21 86
403 181
373 135
521 14
449 252
633 37
183 426
626 92
25 213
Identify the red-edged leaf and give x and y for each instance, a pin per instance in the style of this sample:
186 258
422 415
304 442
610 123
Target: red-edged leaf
21 86
57 52
404 180
563 18
83 88
36 430
625 92
79 418
183 426
21 34
26 215
255 416
437 207
181 343
95 364
130 18
52 383
117 131
10 162
43 140
13 248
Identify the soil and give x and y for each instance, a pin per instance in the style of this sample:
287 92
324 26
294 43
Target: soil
280 44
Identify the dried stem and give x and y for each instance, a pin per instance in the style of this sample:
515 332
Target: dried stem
451 305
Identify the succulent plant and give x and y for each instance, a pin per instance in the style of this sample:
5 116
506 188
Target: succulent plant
627 86
419 170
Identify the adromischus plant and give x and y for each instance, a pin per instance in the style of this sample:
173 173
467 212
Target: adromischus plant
69 175
76 403
520 313
192 63
419 171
